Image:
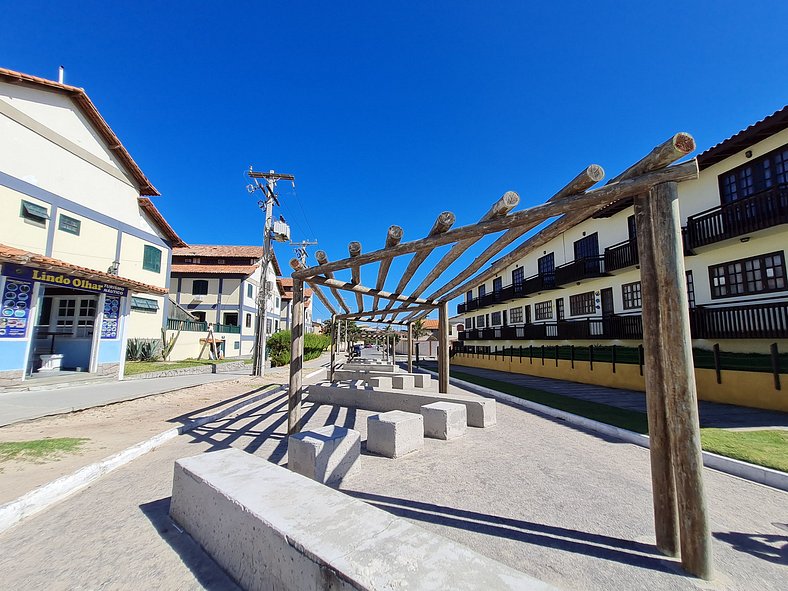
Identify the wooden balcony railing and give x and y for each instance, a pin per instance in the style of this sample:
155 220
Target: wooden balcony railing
609 327
757 212
580 269
621 255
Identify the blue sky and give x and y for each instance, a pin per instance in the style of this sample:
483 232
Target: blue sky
391 112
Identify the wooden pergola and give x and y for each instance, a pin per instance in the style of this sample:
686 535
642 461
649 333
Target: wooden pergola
680 515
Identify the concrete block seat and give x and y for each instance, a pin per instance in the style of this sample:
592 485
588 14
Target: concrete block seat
394 434
481 411
444 420
324 454
271 528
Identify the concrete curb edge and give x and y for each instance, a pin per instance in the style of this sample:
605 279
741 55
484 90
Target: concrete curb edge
744 470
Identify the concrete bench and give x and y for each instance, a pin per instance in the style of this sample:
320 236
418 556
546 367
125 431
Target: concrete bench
367 367
395 433
402 382
481 411
325 454
422 380
444 420
271 528
379 382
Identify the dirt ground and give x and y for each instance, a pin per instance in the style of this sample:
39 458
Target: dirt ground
115 427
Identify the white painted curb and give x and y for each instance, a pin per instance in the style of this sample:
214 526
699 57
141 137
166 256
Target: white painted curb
745 470
42 497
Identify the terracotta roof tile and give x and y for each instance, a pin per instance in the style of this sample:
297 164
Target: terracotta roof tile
190 269
91 112
218 250
9 254
430 324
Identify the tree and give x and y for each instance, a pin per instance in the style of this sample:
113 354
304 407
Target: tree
419 330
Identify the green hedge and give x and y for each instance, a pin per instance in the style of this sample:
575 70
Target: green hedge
279 347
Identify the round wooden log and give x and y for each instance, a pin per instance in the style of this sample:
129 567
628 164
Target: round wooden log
354 248
322 258
393 237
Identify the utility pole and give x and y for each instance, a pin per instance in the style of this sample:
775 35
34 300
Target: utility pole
267 205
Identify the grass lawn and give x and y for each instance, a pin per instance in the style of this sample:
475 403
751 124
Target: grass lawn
767 448
39 449
137 367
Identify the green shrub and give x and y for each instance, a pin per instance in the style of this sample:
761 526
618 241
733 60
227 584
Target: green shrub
279 347
143 350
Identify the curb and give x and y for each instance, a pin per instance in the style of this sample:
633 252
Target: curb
744 470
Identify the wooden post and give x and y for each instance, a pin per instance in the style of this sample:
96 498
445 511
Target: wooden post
679 378
410 347
296 359
334 333
663 488
443 348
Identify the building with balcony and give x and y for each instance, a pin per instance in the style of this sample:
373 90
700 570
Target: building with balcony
220 286
85 254
583 287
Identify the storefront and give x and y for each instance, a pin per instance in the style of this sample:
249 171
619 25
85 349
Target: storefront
60 320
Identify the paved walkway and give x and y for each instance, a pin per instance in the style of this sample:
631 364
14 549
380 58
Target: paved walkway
26 405
712 414
570 507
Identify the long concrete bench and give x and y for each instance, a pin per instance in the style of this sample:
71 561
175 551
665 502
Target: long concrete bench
270 528
410 380
368 367
481 411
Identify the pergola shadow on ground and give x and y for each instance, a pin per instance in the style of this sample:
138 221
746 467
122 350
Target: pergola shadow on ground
680 513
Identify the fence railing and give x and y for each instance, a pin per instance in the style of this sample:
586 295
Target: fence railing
196 326
621 255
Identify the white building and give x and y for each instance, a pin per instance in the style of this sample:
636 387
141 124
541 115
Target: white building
286 309
85 254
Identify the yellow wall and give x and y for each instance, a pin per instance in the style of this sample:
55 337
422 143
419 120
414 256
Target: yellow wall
187 298
230 291
144 324
93 248
743 388
14 229
188 345
131 254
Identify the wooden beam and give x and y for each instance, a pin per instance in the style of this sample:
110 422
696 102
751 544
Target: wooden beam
594 198
443 222
679 379
500 208
663 488
410 347
321 257
296 360
334 335
383 313
393 237
582 182
296 264
354 249
659 157
365 290
443 348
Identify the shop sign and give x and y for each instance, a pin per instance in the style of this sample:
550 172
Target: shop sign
109 325
63 279
15 310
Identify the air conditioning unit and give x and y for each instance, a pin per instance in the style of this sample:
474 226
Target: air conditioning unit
198 298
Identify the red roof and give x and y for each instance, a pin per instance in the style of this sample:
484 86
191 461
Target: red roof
9 254
80 97
189 269
429 324
217 250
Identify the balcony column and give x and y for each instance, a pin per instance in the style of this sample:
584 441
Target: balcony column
677 465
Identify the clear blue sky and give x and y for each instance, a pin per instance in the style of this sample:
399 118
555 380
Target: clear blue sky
390 112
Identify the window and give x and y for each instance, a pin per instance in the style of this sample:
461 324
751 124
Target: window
515 315
219 261
582 303
249 290
587 248
268 326
199 316
559 309
200 287
517 276
151 259
495 319
756 175
631 295
481 291
546 264
543 310
480 321
248 320
761 274
69 225
33 213
237 345
469 295
75 315
497 284
144 304
690 289
230 318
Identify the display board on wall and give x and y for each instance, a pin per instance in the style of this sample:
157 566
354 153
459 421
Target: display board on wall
109 325
15 311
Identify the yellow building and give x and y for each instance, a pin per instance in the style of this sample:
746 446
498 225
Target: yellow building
85 254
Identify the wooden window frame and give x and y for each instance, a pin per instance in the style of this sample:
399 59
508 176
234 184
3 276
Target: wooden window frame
743 272
634 299
543 310
581 304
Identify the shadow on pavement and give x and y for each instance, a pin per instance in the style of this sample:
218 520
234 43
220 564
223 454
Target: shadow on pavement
209 574
589 544
769 547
